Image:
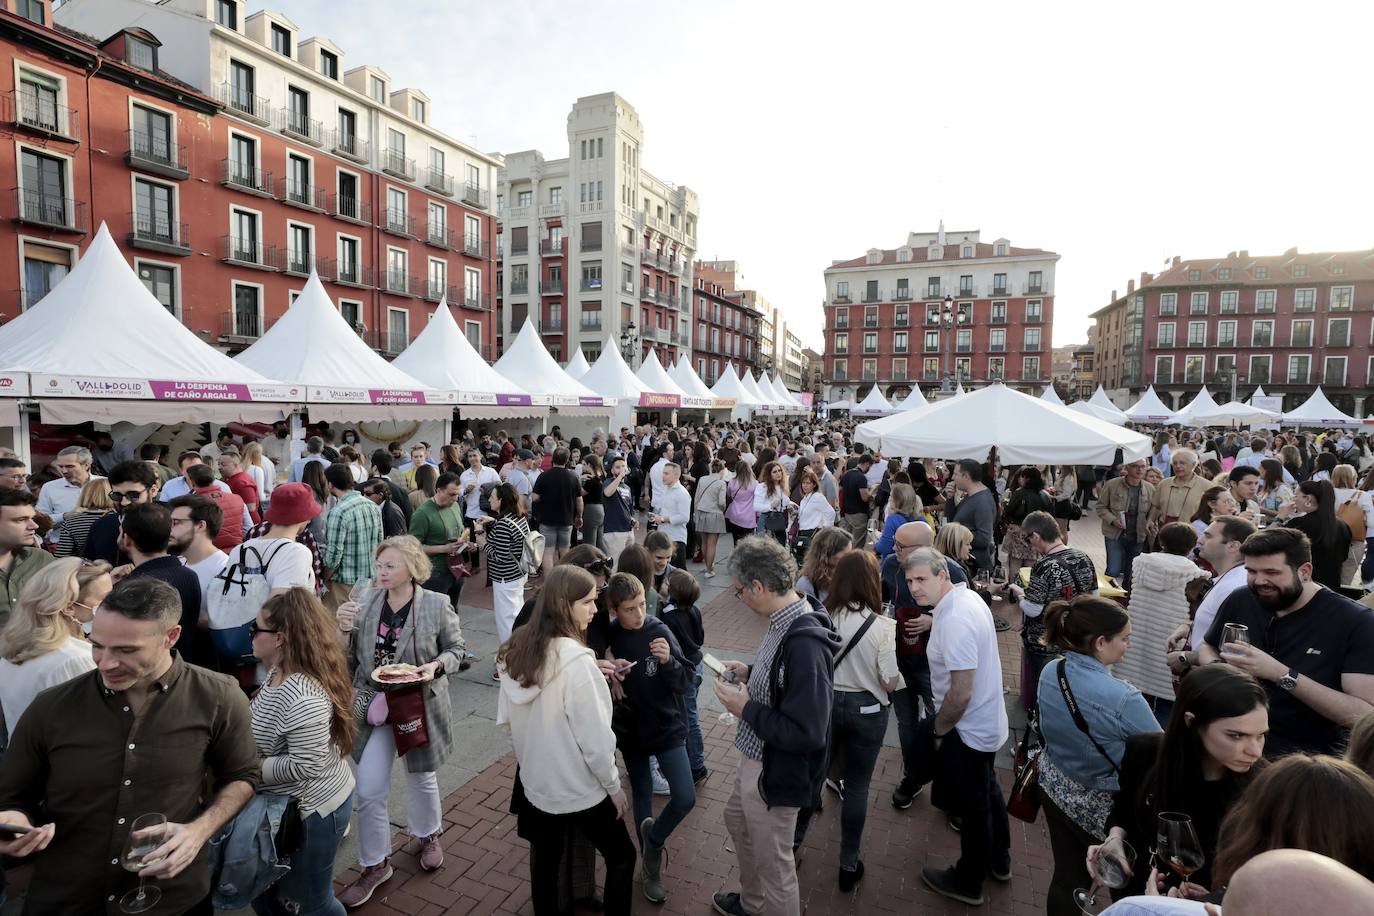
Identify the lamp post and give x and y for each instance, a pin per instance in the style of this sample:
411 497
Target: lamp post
946 325
629 343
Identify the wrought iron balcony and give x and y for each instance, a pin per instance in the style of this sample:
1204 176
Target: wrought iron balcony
350 208
552 286
246 252
439 182
474 195
552 247
154 232
300 125
63 214
397 223
42 115
245 177
302 194
243 102
438 234
401 283
348 145
396 164
157 153
474 246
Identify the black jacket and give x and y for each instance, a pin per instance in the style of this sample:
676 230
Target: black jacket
685 622
795 723
652 689
103 541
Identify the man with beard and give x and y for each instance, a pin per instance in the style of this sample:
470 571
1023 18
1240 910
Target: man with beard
1312 648
132 483
196 521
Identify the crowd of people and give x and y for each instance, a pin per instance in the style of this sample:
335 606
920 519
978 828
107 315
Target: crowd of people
213 641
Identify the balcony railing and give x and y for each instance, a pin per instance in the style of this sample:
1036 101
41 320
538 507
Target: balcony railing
934 292
552 210
351 273
240 327
302 194
519 247
870 321
439 182
155 232
999 317
999 290
591 321
299 125
247 252
474 195
63 214
395 163
350 208
474 246
551 326
1036 318
300 261
156 153
397 223
874 296
244 103
591 284
1034 289
245 177
591 245
551 247
902 294
39 114
552 286
438 234
347 145
519 287
477 301
842 299
902 319
436 292
400 283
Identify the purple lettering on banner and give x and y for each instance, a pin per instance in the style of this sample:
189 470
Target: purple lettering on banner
395 396
588 402
513 400
199 391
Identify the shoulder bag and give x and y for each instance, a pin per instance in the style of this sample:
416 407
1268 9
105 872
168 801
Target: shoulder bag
1353 516
1024 801
854 640
1077 715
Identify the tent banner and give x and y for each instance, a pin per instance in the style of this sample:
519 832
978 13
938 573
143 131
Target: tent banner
697 403
496 400
14 384
77 386
651 400
806 397
722 403
567 400
342 395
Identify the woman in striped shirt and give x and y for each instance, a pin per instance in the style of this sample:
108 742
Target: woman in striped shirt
303 724
505 545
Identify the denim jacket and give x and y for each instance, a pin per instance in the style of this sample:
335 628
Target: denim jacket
1113 709
243 855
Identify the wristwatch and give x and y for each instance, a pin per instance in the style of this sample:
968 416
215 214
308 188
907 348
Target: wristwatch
1289 680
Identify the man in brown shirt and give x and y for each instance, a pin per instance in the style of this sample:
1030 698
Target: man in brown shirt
145 732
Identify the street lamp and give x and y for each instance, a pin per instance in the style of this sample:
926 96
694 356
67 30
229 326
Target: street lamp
629 342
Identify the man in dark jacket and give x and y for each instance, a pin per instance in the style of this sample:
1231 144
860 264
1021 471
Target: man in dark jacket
783 704
378 489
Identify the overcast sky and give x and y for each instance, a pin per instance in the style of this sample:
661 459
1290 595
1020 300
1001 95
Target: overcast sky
1117 135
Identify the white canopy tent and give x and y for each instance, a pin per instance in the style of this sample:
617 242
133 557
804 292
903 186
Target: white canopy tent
789 397
611 377
873 404
312 345
1089 409
1257 393
100 347
1106 408
442 357
1235 413
1202 404
526 359
1050 396
729 386
577 366
746 380
1318 411
1024 429
655 377
913 401
1149 409
687 379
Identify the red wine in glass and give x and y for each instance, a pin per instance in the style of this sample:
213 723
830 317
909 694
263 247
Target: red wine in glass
1178 853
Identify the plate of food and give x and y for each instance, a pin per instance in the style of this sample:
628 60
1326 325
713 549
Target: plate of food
398 675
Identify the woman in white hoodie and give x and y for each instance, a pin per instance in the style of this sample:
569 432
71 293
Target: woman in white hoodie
554 698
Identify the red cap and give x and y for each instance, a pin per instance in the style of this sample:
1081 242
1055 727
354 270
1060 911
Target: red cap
292 503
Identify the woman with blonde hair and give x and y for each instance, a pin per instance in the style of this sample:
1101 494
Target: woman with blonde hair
44 643
956 542
397 622
818 570
303 727
92 505
1345 483
262 470
903 506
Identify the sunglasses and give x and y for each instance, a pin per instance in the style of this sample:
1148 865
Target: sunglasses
257 630
130 496
603 565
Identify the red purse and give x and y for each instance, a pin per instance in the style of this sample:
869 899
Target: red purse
406 713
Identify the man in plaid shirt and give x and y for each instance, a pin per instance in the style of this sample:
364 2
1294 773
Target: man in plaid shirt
352 532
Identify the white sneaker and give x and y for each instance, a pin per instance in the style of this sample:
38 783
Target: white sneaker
660 783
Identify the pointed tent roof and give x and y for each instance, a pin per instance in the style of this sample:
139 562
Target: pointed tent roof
526 359
1149 409
746 379
577 366
1234 413
441 356
610 376
1318 411
68 331
913 401
872 403
655 378
1105 407
729 386
1258 393
1050 396
781 388
1202 404
959 388
687 378
1089 409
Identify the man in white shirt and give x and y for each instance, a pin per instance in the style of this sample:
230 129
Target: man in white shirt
1220 547
292 565
788 458
672 509
195 522
58 497
471 481
656 472
970 726
522 475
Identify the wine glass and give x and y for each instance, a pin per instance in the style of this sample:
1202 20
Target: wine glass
360 591
1177 851
1112 869
146 834
1234 632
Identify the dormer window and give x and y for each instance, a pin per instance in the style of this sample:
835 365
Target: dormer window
935 253
417 110
139 53
31 10
376 88
226 13
1000 250
329 64
281 40
968 251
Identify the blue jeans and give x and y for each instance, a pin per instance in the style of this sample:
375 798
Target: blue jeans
1121 553
856 739
675 769
696 746
907 704
308 889
1367 566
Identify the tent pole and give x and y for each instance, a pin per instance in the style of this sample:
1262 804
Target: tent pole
22 447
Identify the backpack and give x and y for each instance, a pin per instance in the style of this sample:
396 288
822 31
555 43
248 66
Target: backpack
532 555
236 594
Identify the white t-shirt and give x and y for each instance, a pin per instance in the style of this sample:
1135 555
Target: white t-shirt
471 500
19 684
1233 579
205 571
963 639
291 566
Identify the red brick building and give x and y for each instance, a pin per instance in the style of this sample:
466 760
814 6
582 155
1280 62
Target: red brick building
726 328
1285 322
943 308
222 207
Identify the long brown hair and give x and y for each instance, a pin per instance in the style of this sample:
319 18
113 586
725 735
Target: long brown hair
1293 804
526 653
826 545
856 586
311 647
766 478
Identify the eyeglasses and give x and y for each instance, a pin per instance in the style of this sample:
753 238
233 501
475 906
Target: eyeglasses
120 496
257 630
602 565
740 590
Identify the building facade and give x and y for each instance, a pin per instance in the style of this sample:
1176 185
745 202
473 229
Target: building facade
593 246
1285 322
1082 379
779 349
726 328
945 307
301 164
813 373
792 361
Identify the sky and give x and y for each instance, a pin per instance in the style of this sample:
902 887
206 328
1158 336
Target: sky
1117 135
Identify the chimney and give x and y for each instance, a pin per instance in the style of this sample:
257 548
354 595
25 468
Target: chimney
1244 254
1177 259
1114 296
1146 277
1130 287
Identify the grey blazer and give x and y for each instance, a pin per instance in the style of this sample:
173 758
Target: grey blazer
438 637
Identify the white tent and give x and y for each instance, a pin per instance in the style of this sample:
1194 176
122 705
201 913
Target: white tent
527 360
729 386
780 401
611 377
344 378
1258 393
1050 396
577 366
1024 429
100 347
746 380
655 378
1105 408
1202 404
781 388
1318 411
1149 409
913 401
1089 409
1234 413
873 404
959 388
442 357
687 379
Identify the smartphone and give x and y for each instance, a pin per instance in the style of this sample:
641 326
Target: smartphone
625 668
717 668
12 831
